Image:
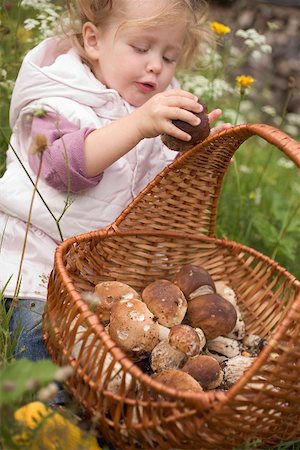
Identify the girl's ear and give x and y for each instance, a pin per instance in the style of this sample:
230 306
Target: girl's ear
90 35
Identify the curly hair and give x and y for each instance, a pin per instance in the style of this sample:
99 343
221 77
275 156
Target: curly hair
101 12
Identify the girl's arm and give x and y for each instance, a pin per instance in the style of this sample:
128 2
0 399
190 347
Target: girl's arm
106 145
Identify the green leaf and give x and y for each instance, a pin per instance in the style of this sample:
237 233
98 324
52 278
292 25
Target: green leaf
17 376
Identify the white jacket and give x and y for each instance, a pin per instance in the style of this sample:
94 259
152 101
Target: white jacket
53 76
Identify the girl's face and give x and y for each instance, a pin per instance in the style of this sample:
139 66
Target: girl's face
136 62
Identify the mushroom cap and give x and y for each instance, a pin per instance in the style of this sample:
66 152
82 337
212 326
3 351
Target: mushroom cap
110 291
178 380
133 328
198 133
205 369
166 301
213 314
186 339
164 356
190 278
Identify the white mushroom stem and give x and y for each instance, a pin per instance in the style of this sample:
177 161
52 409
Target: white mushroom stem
205 289
163 332
224 346
239 330
201 337
226 292
235 367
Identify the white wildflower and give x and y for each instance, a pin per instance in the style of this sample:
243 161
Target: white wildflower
293 119
291 129
254 40
245 169
285 163
257 199
48 392
270 110
30 24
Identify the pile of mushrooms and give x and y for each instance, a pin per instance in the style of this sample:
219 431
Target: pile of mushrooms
187 333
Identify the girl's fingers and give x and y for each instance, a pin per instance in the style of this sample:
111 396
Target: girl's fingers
214 115
221 127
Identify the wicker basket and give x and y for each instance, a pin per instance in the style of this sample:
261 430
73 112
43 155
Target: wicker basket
169 224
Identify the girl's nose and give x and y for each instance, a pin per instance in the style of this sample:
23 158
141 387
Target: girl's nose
154 64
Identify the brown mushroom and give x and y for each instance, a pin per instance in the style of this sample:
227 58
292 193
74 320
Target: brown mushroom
198 133
133 328
164 356
178 380
108 292
186 339
192 279
205 369
166 301
213 314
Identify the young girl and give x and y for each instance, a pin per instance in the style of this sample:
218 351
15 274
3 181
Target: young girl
86 115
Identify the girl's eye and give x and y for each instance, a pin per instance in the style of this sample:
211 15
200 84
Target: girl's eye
168 59
140 49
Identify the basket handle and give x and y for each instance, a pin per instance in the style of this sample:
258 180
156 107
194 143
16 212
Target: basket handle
184 196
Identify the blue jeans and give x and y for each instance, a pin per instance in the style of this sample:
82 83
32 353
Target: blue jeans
26 324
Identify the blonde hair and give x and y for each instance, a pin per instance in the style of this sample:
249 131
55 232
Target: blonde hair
100 12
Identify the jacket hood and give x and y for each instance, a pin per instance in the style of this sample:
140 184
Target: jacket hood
43 74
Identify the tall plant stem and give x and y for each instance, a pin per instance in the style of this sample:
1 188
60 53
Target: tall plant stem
285 228
15 297
241 96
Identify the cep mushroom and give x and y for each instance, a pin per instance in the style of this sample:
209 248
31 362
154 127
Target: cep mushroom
193 281
164 356
185 339
239 330
178 380
109 292
205 369
166 301
198 133
213 314
133 328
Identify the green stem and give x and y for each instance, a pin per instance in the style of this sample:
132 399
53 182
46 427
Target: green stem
285 105
241 96
15 297
284 229
238 183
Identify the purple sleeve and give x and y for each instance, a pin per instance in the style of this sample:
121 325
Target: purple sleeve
63 163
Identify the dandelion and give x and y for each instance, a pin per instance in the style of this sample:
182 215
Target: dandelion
219 28
244 81
52 429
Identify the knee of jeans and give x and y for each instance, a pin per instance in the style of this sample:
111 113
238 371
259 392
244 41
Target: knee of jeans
27 315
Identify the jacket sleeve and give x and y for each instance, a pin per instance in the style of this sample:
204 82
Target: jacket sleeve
58 146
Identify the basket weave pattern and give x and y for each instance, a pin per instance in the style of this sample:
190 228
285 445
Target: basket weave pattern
171 223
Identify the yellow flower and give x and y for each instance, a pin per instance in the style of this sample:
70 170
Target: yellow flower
219 28
53 430
244 81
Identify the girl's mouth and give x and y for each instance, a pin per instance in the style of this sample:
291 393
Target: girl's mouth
146 87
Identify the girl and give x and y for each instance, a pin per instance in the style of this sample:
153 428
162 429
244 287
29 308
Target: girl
86 115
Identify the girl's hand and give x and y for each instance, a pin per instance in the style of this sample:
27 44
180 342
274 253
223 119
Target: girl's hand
212 117
155 116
